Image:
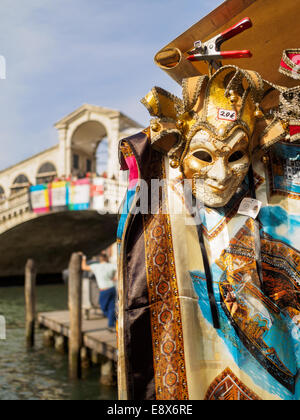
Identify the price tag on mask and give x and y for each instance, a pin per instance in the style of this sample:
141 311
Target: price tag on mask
250 207
226 115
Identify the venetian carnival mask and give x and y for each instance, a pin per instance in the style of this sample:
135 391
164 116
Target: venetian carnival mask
208 135
217 168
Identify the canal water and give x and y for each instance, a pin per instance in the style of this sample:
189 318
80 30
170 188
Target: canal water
42 373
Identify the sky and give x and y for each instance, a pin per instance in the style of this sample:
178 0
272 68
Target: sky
61 54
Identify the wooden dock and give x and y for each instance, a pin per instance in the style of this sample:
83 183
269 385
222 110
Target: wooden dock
81 331
95 335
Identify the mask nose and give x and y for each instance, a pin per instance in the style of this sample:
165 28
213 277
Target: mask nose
219 172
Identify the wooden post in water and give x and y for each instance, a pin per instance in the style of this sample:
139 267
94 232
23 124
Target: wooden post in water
107 372
30 301
75 298
48 338
60 344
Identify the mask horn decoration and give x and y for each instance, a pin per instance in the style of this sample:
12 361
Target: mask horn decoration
285 124
163 106
290 63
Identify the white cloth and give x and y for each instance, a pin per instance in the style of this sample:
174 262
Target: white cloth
104 273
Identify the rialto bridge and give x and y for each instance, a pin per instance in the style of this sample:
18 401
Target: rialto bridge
57 202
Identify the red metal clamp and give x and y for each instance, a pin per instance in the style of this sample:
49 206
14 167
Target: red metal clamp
211 50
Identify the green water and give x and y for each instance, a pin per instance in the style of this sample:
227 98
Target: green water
39 374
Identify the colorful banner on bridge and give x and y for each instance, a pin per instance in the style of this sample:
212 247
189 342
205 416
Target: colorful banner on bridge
79 194
97 193
82 194
39 197
59 195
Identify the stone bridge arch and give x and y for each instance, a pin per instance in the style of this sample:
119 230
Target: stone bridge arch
2 193
84 142
83 130
46 173
26 233
20 183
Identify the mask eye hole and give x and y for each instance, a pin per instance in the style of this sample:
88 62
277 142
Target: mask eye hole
236 156
203 155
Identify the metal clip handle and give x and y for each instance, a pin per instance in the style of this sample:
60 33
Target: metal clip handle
240 27
220 55
236 54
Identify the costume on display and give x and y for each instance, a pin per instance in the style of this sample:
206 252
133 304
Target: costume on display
209 296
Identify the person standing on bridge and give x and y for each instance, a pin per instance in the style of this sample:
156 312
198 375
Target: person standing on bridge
105 274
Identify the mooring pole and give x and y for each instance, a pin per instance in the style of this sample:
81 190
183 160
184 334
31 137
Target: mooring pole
75 338
30 301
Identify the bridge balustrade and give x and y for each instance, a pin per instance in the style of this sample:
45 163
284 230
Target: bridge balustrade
18 207
14 209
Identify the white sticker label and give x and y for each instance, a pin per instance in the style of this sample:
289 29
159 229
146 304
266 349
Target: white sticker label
225 114
250 207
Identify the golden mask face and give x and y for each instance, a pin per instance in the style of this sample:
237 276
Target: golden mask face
217 168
